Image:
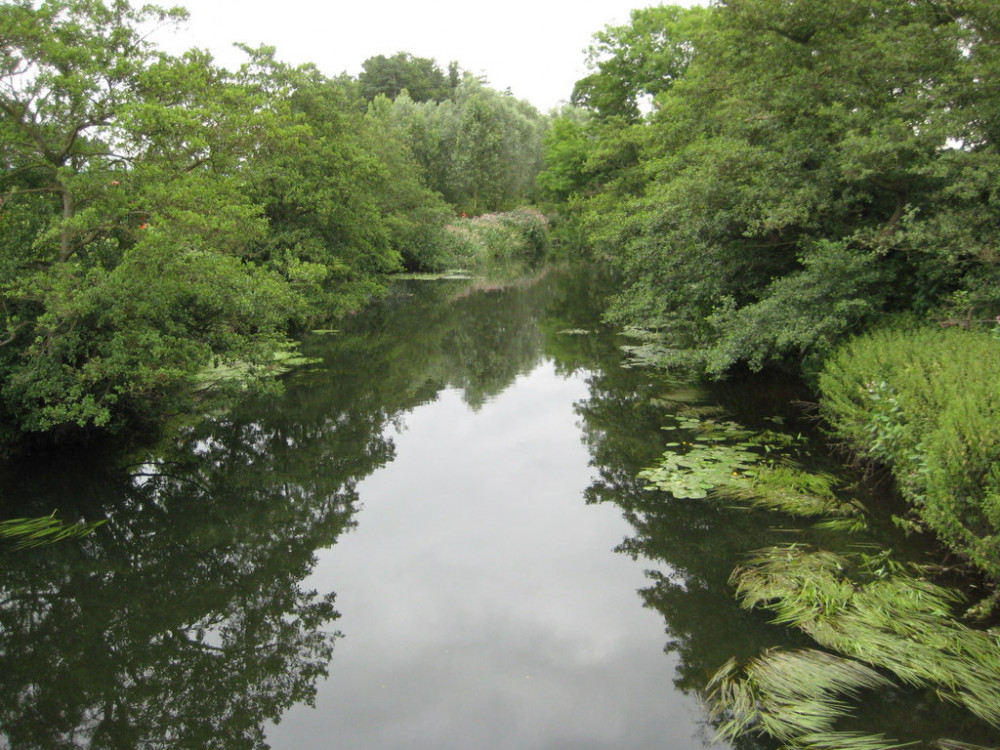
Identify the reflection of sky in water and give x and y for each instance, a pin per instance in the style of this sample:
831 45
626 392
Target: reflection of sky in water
482 604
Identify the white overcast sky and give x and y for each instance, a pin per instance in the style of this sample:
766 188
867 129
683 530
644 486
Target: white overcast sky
533 47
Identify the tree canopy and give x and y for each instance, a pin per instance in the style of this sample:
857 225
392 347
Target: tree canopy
162 215
420 77
803 170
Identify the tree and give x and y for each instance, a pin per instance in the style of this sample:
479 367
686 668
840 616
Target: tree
420 77
813 168
632 64
481 149
125 181
71 71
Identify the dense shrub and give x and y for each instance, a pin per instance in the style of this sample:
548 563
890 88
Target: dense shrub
518 237
926 403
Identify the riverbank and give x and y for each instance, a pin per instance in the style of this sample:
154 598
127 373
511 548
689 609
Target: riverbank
920 404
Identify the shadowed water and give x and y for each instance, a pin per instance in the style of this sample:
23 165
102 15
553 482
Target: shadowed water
435 535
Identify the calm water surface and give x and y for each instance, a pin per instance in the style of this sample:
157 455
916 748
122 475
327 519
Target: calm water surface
435 536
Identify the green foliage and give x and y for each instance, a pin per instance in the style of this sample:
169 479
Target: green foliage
885 618
808 167
723 459
512 242
924 402
481 149
35 532
164 218
110 344
419 77
640 60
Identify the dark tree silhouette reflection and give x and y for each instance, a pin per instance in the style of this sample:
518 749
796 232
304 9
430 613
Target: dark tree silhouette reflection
183 621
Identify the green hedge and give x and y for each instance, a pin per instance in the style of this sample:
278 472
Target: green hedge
926 403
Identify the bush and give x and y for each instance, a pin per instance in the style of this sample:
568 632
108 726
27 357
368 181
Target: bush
926 403
517 237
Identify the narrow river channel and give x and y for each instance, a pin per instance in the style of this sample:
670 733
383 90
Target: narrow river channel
434 538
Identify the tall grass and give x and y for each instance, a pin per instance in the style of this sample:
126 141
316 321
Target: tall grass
926 403
516 238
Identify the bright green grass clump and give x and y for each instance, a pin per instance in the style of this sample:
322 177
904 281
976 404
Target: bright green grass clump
35 532
880 617
926 403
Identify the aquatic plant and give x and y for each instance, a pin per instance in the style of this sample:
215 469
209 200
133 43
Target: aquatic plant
717 452
872 614
790 489
34 532
795 697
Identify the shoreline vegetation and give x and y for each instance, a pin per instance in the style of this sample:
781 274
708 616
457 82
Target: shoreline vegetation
813 188
785 184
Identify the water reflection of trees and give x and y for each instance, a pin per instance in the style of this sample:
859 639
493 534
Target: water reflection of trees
183 621
434 335
692 546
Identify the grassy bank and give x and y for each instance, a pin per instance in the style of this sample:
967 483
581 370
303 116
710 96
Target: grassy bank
516 239
925 402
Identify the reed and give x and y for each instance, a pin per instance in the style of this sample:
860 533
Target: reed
34 532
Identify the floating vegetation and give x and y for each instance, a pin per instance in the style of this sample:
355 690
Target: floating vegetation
35 532
701 469
873 616
237 373
456 274
789 489
795 697
720 455
873 613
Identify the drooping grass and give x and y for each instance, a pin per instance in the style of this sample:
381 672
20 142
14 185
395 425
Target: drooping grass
35 532
894 621
795 697
786 488
873 615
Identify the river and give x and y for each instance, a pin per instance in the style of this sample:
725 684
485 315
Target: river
434 538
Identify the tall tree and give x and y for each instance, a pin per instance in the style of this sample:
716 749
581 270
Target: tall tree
70 72
419 76
634 63
814 167
123 179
